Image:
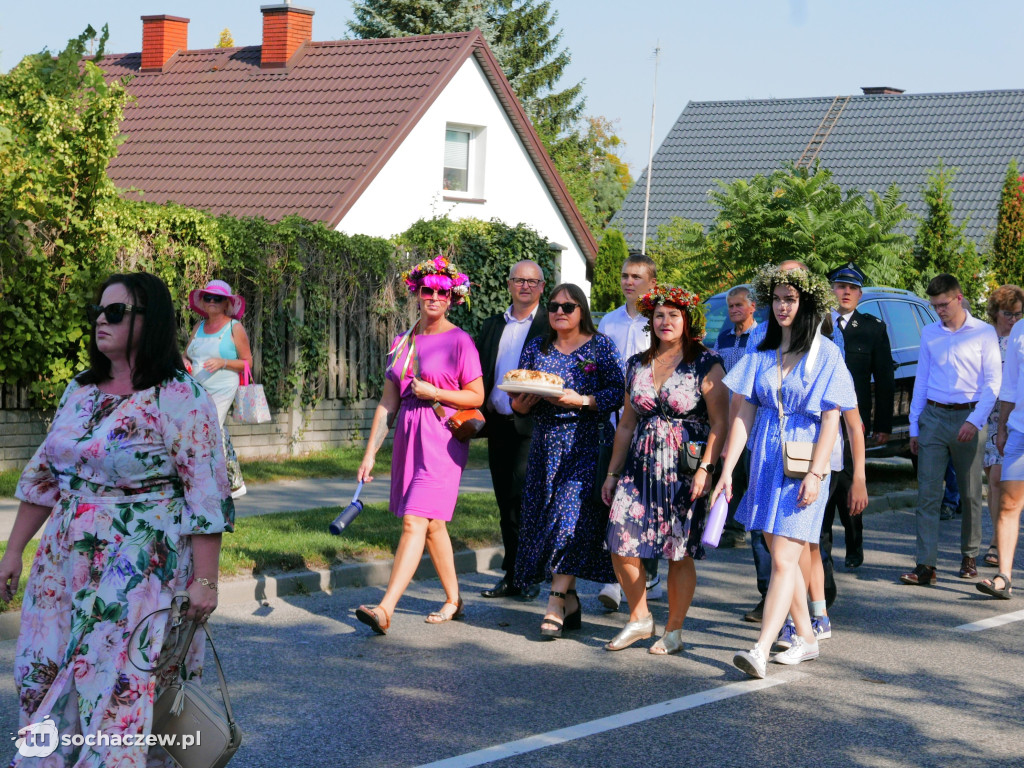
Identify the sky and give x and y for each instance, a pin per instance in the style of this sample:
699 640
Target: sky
710 50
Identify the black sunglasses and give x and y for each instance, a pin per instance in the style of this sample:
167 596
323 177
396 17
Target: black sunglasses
115 312
568 307
214 298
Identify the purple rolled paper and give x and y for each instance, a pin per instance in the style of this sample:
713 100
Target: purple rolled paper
716 522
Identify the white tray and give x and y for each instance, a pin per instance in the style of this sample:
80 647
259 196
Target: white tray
523 387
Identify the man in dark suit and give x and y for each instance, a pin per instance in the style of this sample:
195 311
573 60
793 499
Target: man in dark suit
865 345
500 343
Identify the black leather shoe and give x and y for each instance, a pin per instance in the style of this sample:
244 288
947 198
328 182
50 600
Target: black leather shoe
855 560
530 592
503 588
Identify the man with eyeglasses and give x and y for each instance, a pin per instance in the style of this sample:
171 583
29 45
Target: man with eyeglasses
629 330
500 343
959 372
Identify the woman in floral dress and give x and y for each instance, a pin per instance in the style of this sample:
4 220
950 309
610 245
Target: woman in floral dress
561 528
674 396
131 485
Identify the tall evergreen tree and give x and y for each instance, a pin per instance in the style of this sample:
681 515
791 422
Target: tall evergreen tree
520 32
941 245
402 18
534 63
1008 246
606 290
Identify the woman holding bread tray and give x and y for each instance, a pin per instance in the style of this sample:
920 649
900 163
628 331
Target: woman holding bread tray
561 531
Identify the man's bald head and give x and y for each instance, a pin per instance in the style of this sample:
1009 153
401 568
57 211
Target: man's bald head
791 264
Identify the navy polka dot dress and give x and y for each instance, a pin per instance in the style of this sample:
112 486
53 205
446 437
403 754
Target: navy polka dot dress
561 530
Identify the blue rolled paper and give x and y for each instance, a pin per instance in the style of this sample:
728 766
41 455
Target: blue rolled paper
348 514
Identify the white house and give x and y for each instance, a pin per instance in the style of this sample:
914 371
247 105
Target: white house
367 136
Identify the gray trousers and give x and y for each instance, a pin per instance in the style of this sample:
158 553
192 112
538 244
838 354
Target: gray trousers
937 445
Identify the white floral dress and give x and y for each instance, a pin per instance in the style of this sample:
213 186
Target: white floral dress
130 479
651 513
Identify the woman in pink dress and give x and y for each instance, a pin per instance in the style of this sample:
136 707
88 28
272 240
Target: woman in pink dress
433 371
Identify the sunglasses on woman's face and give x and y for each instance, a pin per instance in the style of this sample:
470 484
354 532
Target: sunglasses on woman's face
115 312
214 298
434 293
568 307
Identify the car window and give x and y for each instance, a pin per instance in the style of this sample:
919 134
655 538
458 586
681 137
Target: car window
717 315
903 324
926 314
716 312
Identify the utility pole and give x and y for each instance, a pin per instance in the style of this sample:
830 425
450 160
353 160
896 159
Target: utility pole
650 149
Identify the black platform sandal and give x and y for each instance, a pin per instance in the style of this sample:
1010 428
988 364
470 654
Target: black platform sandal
574 620
557 623
988 586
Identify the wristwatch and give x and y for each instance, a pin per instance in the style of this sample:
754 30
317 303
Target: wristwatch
707 467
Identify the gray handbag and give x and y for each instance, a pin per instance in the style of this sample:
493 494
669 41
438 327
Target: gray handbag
184 709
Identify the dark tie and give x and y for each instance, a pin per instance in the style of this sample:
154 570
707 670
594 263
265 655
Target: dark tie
841 323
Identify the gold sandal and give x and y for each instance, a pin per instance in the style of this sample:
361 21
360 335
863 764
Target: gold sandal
441 615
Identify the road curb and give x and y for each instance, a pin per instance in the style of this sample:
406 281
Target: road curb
375 573
258 589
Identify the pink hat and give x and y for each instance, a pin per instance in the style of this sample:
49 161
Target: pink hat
219 288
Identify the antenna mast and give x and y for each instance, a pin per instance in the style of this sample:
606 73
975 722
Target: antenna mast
650 149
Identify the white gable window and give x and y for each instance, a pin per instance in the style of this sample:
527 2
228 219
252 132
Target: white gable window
463 177
456 160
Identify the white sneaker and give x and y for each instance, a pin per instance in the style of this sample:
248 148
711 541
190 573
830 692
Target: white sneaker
799 651
752 662
654 589
610 597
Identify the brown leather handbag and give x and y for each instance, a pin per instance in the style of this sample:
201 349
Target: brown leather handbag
465 424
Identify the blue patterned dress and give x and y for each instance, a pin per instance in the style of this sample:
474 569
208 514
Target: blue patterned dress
770 504
651 513
560 529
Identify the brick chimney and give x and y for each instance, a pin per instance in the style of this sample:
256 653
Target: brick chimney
880 90
162 37
285 28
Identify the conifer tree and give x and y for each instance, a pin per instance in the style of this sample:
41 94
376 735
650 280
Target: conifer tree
606 290
1008 246
941 245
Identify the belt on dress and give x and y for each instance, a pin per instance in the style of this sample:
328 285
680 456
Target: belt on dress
953 406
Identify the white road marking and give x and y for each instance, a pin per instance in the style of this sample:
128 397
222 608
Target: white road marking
563 735
995 621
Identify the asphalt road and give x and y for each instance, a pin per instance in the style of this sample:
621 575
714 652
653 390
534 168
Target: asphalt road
897 685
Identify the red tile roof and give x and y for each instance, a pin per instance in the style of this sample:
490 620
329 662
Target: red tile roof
215 131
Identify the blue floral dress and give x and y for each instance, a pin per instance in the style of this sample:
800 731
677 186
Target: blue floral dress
651 513
130 479
561 530
770 503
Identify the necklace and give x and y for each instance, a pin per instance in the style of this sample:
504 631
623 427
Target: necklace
673 363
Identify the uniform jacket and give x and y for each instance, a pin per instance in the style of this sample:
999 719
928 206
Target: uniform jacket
866 346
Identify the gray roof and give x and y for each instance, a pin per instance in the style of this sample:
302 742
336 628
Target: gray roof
878 140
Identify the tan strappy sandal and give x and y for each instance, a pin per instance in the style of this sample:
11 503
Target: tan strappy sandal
442 615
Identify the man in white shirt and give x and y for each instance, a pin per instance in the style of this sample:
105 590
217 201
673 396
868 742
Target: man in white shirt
1010 442
629 330
500 343
958 379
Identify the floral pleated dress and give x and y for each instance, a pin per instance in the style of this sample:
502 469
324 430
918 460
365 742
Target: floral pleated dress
651 512
130 479
561 530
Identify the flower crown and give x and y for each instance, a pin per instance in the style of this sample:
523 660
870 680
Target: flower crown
677 297
438 273
815 286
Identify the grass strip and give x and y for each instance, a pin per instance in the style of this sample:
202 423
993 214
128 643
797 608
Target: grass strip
296 541
330 462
